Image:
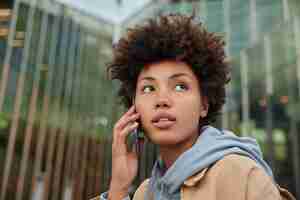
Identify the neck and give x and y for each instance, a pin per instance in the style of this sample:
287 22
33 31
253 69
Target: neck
169 154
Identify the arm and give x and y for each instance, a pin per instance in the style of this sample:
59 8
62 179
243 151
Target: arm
138 195
240 178
124 162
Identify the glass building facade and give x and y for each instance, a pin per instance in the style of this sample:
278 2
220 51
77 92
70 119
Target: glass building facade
57 106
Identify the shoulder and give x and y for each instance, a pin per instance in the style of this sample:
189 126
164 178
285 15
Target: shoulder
233 167
231 171
226 169
240 173
236 162
234 177
140 192
239 168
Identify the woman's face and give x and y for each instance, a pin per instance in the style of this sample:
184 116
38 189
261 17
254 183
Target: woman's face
169 101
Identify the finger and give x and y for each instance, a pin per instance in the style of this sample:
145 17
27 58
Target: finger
121 136
126 115
130 111
123 122
119 142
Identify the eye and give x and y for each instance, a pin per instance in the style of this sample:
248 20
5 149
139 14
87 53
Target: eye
147 88
180 87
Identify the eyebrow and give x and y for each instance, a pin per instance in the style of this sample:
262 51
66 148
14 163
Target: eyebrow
171 77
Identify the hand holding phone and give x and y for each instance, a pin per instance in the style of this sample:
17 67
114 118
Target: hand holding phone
124 161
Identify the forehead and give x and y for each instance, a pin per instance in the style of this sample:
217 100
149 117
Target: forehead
166 69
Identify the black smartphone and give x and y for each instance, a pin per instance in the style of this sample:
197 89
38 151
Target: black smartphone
138 139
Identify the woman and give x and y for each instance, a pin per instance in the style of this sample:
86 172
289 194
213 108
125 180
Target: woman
173 75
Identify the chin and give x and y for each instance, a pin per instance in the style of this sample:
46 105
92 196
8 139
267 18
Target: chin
163 140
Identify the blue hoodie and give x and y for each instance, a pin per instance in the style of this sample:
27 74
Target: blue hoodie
211 146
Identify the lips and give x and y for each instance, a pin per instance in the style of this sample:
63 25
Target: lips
163 120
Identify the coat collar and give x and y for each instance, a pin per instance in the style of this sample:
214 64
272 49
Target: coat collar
193 180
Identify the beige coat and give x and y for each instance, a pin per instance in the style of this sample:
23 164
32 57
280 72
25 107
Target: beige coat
234 177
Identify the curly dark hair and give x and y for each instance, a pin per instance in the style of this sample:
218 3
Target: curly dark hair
173 37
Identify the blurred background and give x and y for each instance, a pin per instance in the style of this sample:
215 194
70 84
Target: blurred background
57 107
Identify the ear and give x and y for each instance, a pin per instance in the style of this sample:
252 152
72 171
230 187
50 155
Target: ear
204 106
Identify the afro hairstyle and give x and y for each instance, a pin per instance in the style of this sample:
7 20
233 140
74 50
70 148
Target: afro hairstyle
173 37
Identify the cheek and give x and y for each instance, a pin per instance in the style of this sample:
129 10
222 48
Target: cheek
139 106
143 103
190 111
191 104
142 107
191 118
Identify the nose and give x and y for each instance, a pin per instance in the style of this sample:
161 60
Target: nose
163 100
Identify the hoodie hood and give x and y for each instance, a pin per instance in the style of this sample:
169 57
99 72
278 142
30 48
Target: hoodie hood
211 146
